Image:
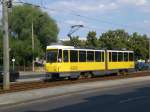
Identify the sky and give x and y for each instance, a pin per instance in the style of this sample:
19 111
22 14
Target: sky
98 15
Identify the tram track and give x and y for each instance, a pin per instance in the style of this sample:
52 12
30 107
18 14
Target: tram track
24 86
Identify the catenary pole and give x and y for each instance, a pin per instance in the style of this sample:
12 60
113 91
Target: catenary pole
6 81
32 46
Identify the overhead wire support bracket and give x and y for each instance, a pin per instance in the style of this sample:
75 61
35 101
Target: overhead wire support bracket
74 28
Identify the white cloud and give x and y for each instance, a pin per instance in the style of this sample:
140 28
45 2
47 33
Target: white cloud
147 22
97 7
139 5
80 6
133 2
75 22
140 2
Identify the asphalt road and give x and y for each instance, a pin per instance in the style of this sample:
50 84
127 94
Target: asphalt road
127 98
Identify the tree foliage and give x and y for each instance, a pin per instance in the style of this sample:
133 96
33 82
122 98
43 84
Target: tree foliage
92 39
45 32
75 41
114 39
45 28
139 43
117 40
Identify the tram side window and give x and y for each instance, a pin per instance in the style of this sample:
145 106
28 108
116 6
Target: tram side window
73 56
65 55
131 56
60 55
114 56
120 56
125 56
97 56
90 56
102 56
82 56
52 56
110 57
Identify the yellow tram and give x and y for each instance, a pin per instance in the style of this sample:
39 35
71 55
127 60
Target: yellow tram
67 61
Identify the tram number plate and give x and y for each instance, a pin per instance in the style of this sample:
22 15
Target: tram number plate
74 68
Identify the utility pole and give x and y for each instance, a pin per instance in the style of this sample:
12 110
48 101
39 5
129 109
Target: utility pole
6 80
33 46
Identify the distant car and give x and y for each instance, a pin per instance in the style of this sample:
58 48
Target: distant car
14 75
142 66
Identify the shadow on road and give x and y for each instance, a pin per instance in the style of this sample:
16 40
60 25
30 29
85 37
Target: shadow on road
138 100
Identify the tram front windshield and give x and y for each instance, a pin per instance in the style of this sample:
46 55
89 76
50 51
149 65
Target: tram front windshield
52 56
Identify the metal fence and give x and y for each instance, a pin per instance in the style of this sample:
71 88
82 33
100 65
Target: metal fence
23 68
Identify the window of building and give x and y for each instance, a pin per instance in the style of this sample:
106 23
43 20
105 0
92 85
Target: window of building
90 56
120 56
114 56
73 56
125 56
97 56
131 56
65 55
82 56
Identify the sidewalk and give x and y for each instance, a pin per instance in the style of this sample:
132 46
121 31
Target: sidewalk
31 76
22 73
24 96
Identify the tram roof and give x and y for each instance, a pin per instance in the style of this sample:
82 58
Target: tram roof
59 47
73 48
120 51
69 48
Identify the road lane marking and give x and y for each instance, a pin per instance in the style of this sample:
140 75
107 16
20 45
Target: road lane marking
132 99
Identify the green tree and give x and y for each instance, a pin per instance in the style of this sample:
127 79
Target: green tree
116 39
45 32
22 51
45 28
92 39
139 43
119 39
75 41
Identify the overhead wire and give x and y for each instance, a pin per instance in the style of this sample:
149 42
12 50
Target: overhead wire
20 1
74 13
